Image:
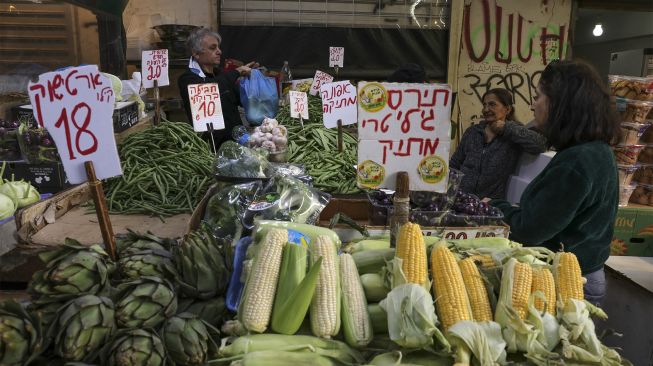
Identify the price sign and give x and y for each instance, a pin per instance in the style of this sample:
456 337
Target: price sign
336 56
404 127
319 79
205 106
154 66
75 105
339 103
298 104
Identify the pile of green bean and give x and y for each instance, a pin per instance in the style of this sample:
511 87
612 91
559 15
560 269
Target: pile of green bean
316 147
166 171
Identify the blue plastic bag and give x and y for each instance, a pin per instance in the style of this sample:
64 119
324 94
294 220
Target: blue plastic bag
235 289
258 94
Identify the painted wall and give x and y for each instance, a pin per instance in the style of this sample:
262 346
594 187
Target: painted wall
505 44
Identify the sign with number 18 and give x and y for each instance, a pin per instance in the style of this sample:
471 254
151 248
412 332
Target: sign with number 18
75 105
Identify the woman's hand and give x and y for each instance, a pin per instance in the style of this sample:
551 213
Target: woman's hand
246 69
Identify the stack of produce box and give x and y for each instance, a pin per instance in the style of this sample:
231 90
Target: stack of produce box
634 100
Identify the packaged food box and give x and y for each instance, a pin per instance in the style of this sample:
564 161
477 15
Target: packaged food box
626 174
631 87
632 132
643 194
627 154
646 155
624 194
644 174
630 110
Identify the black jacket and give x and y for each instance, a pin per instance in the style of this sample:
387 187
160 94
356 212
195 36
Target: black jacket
487 166
229 97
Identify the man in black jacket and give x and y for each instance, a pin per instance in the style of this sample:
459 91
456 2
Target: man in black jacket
204 47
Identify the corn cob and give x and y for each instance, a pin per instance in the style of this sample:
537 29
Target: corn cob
356 320
412 252
258 296
484 261
325 305
373 260
295 290
522 276
543 281
568 278
450 294
476 291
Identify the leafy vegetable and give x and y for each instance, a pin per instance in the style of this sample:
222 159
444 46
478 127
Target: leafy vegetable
411 317
234 160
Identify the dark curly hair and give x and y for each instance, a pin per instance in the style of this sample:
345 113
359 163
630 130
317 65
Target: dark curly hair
579 105
505 97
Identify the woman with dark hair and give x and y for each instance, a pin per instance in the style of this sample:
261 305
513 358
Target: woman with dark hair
488 152
571 205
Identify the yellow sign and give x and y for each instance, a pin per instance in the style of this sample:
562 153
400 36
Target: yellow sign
370 174
372 97
432 169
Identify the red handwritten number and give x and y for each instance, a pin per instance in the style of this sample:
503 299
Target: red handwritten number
207 109
153 73
63 120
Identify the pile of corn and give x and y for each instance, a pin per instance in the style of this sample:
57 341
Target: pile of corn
345 298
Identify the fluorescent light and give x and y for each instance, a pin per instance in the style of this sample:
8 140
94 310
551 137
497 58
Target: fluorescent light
598 30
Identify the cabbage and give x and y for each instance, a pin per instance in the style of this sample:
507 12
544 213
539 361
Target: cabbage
7 206
21 192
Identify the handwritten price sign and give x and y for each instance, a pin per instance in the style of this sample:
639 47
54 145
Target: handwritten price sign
76 107
339 103
404 127
336 56
298 104
319 79
205 106
154 66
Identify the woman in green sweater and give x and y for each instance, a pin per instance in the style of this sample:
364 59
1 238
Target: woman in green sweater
571 205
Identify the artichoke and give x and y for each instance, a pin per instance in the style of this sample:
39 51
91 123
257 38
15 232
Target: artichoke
150 262
188 339
134 347
82 327
46 311
145 303
72 270
21 339
211 311
201 266
135 242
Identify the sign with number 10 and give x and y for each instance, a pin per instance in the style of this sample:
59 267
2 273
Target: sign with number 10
205 106
76 107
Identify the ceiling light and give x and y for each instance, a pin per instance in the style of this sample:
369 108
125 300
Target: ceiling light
598 30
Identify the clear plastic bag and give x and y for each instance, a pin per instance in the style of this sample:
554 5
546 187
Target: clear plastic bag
287 199
226 208
234 160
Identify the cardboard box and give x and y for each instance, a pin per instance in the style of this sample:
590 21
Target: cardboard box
516 187
530 165
46 178
633 231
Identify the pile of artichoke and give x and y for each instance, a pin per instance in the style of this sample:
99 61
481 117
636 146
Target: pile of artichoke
161 303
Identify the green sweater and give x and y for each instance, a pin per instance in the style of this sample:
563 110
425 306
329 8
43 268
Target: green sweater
572 202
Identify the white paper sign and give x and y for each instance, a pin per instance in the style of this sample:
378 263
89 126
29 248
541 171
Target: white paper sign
404 127
205 106
339 103
298 104
75 105
154 66
336 56
319 79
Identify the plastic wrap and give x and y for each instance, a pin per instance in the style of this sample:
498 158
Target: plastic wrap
289 170
237 161
226 208
286 199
